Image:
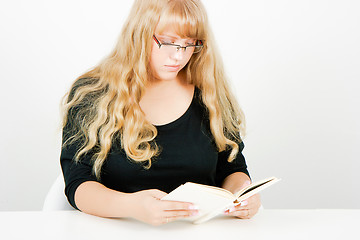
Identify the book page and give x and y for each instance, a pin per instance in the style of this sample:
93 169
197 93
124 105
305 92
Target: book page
212 200
215 190
201 196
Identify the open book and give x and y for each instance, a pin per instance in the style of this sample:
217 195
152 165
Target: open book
213 201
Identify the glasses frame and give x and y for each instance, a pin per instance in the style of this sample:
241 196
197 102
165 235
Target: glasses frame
178 47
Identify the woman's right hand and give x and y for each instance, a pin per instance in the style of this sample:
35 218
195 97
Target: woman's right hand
147 207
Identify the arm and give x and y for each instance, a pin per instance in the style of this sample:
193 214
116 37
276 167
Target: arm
234 182
116 203
94 198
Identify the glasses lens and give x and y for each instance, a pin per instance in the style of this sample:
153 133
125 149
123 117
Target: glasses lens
168 49
171 49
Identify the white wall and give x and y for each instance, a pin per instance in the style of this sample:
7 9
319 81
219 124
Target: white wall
294 65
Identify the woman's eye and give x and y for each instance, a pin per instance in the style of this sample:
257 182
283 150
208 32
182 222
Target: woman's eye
167 41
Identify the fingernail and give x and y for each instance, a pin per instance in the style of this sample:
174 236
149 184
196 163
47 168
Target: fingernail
244 203
194 213
232 209
193 207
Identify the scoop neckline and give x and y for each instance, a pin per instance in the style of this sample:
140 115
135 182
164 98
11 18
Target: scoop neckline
180 119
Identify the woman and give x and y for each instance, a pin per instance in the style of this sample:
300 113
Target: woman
154 114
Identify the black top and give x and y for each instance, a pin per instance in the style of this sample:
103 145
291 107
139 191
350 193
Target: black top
188 154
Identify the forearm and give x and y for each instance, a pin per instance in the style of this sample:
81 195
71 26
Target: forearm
235 181
96 199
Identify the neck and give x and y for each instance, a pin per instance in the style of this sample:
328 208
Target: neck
179 80
165 89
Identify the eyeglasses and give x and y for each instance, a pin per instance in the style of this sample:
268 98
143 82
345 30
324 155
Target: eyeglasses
172 48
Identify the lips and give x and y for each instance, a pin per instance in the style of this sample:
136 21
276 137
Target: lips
172 67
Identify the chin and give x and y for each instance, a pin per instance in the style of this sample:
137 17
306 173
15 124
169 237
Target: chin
168 76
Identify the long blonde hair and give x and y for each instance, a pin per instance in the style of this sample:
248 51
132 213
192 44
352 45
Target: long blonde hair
103 104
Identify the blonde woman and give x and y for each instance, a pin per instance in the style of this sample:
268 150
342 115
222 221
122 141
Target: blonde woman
154 114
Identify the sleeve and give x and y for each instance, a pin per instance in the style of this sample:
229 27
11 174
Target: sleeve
225 168
75 173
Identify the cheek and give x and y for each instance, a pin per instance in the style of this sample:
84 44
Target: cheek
187 59
155 58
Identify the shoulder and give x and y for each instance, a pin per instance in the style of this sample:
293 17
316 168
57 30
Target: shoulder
80 101
82 83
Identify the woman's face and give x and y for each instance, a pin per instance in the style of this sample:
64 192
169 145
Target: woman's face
167 61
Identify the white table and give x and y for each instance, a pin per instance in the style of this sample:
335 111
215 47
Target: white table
267 224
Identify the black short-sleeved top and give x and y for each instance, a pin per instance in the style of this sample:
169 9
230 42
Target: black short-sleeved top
188 153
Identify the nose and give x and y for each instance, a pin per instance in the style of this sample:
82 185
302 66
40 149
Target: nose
178 55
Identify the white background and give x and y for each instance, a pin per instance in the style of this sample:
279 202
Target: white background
293 64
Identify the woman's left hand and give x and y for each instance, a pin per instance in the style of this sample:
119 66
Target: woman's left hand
246 209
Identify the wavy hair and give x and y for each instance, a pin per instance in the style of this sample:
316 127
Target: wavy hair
103 104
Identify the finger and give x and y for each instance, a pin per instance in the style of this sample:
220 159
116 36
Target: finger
245 213
180 214
242 210
170 216
252 211
171 219
174 210
242 205
251 202
176 205
247 205
234 209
